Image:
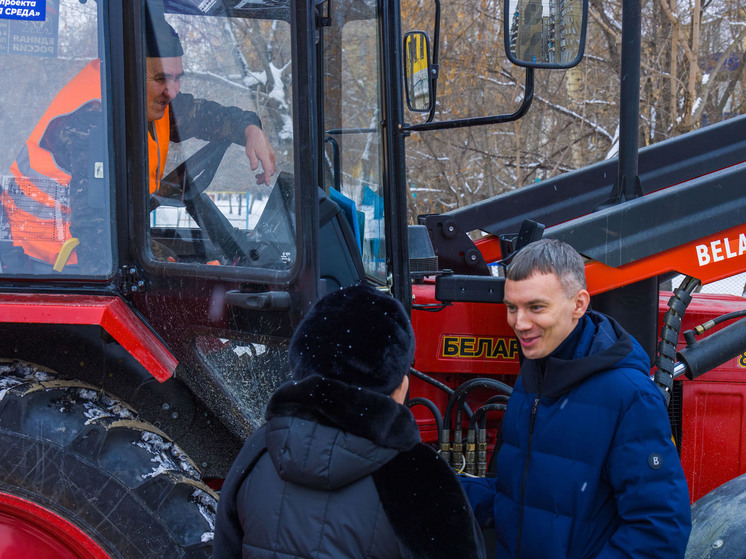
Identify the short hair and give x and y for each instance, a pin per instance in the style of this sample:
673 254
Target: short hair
549 256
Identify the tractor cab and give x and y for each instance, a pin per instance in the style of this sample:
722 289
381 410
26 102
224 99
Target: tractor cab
107 192
152 269
180 181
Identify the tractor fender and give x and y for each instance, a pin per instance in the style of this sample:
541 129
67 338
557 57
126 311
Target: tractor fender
109 312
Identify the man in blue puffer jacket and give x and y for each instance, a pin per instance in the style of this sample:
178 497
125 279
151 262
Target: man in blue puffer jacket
587 467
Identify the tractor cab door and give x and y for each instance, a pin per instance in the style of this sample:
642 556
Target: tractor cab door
229 255
223 248
126 171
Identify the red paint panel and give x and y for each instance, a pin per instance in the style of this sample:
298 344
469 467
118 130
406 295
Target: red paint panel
471 338
111 313
713 414
713 434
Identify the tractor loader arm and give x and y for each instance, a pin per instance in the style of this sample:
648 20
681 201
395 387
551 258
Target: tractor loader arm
701 170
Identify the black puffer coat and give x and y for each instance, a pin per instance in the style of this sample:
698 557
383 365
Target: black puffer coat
339 472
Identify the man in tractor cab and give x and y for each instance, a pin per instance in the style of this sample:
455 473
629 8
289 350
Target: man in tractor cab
56 211
339 470
587 467
175 116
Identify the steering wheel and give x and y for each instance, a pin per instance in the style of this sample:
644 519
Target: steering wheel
192 177
276 226
187 183
259 251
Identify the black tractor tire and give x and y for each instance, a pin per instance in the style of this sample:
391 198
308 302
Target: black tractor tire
83 455
719 523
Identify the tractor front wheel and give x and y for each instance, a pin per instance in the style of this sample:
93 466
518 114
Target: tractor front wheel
81 476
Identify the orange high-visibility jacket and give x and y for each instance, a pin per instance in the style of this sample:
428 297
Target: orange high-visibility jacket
158 149
38 215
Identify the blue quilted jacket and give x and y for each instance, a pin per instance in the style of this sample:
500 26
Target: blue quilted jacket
587 467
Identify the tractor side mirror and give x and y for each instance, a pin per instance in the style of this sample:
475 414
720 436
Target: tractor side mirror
545 34
417 71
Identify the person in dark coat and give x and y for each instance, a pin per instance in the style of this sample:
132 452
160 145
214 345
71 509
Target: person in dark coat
587 467
338 469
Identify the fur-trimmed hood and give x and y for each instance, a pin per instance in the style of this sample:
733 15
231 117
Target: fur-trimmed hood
339 471
325 434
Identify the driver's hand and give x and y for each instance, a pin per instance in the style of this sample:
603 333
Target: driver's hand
259 150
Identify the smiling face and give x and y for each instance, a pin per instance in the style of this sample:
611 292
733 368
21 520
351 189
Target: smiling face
163 80
541 312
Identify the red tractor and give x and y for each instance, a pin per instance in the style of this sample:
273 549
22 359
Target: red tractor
142 329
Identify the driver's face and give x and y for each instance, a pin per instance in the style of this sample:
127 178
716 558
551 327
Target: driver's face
163 79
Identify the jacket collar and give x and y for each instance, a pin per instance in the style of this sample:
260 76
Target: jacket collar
602 344
355 410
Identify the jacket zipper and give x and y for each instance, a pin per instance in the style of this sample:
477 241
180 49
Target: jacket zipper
534 409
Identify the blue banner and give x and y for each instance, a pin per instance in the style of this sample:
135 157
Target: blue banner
26 10
28 36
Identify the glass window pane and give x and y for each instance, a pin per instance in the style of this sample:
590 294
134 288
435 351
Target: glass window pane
352 121
213 112
55 216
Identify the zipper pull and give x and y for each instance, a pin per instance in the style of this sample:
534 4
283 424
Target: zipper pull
534 409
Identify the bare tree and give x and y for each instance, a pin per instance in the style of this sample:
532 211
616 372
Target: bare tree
692 74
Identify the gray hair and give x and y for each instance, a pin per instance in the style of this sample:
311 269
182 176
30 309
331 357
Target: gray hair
550 256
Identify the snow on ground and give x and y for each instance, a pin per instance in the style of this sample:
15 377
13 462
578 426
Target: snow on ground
227 203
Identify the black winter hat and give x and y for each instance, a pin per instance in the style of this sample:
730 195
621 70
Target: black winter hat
357 335
161 40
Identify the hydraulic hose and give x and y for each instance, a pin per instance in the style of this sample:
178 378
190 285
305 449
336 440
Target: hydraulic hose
430 380
476 442
714 350
444 423
458 399
480 416
444 443
666 355
433 410
702 328
498 398
459 395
